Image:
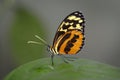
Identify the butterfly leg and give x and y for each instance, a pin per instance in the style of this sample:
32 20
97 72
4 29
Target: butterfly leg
64 59
52 62
70 58
67 59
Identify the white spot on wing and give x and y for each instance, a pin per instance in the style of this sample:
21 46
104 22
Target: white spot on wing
76 13
67 23
71 23
71 17
80 21
76 19
78 26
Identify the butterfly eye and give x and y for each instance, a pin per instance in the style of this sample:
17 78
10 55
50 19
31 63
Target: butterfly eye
48 48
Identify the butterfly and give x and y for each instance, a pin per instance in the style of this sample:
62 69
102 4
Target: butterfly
69 37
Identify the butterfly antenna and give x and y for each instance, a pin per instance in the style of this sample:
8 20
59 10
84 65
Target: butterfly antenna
34 42
42 41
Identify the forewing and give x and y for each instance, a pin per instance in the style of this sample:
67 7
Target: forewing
73 21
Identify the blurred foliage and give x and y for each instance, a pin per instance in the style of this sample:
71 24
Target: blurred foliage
24 27
80 69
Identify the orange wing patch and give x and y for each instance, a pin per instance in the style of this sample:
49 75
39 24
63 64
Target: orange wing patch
71 42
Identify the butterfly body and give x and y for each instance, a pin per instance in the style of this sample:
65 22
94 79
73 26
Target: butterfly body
69 38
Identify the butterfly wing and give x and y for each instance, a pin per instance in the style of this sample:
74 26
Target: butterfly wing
65 41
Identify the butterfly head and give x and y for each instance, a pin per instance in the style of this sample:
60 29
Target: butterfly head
51 50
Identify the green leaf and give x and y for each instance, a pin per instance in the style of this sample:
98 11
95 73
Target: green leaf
80 69
24 27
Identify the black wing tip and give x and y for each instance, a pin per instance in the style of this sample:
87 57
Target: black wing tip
78 13
75 12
